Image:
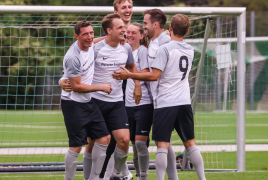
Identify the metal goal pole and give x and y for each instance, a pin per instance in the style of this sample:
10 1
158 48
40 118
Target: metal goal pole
241 71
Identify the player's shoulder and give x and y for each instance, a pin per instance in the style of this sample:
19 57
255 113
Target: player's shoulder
73 52
142 49
181 45
127 47
99 45
163 38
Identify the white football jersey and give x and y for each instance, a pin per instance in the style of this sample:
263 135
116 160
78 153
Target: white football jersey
107 61
154 45
174 59
78 63
141 62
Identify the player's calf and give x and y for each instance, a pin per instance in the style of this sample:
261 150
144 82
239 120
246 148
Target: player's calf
87 158
195 158
143 157
161 163
98 156
71 162
121 151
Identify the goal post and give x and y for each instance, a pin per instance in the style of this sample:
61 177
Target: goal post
34 40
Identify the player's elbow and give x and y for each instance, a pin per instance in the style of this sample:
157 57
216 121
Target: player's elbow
154 78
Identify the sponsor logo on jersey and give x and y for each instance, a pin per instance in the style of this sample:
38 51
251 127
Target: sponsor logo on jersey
151 57
143 131
104 58
127 124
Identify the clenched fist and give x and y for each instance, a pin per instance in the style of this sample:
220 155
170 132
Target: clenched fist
106 88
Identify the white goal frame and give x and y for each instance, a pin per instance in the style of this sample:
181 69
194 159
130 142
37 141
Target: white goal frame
208 11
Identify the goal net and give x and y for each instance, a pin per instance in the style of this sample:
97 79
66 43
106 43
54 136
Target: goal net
32 131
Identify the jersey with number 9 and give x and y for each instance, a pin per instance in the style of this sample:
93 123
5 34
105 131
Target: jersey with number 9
174 59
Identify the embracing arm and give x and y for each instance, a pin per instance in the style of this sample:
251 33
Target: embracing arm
74 84
77 86
98 39
144 76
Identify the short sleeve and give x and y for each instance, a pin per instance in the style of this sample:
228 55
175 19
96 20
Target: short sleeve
161 59
143 58
72 66
97 48
130 59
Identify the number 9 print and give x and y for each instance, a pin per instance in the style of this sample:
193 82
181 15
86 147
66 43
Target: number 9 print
182 69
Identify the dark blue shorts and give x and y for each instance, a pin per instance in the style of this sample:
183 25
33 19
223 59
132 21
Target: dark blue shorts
114 114
140 120
178 117
83 120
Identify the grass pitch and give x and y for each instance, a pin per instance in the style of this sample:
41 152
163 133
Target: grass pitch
47 129
256 167
262 175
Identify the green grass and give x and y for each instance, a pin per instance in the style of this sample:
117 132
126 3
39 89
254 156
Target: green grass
47 129
263 175
255 161
256 167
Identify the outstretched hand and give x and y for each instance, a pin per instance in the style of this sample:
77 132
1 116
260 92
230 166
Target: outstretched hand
121 75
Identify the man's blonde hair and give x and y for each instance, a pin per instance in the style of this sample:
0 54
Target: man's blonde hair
117 2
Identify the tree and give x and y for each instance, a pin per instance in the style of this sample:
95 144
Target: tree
251 5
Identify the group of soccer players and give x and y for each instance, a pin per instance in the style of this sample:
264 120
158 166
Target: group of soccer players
157 95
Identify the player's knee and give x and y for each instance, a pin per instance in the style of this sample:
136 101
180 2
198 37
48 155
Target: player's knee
124 141
141 147
76 149
89 148
189 143
107 139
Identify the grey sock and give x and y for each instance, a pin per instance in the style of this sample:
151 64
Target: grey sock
196 159
87 163
161 163
98 157
109 169
136 160
120 158
143 155
171 164
70 164
125 170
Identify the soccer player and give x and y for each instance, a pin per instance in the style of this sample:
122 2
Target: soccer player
124 9
172 102
109 55
153 23
140 114
82 117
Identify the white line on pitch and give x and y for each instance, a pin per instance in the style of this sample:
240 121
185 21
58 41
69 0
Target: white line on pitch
152 149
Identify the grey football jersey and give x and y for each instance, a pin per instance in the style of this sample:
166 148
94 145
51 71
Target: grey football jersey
174 59
141 62
107 61
78 63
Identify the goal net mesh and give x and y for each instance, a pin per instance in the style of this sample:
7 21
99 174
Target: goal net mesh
32 128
